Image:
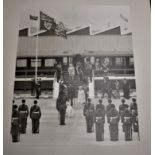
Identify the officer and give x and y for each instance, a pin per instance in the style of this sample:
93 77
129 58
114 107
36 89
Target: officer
35 115
122 108
15 124
134 112
113 123
61 106
127 124
99 121
108 108
23 114
88 112
38 90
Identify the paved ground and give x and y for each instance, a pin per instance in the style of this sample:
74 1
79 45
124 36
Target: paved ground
74 133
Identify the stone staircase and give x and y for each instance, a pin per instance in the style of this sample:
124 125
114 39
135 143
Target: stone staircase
68 80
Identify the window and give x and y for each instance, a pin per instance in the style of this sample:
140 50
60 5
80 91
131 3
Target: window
33 62
131 61
21 63
49 62
118 61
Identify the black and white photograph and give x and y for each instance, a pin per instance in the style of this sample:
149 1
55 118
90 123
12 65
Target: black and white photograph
75 79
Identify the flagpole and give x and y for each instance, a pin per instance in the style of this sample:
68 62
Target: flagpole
36 64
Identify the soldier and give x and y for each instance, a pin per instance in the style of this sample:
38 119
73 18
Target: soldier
108 108
127 124
113 123
38 90
23 114
134 112
61 107
88 112
15 124
122 108
126 89
35 115
99 121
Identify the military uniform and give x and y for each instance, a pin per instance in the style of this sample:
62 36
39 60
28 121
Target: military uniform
15 125
88 112
122 108
108 108
113 124
35 114
127 125
61 107
99 121
23 114
134 113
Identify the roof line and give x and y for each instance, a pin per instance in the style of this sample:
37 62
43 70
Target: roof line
74 30
31 35
98 32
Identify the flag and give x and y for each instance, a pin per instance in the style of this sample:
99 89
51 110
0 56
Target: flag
61 30
33 17
47 22
124 18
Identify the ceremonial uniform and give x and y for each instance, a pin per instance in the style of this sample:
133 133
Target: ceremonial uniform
61 107
15 125
113 124
99 121
23 114
122 108
108 108
127 125
89 115
35 115
134 113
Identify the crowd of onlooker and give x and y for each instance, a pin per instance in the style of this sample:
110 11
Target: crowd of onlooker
84 70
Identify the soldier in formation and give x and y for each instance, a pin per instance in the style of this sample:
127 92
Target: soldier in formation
127 124
23 114
99 121
35 115
134 113
113 116
88 112
15 124
122 108
108 108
